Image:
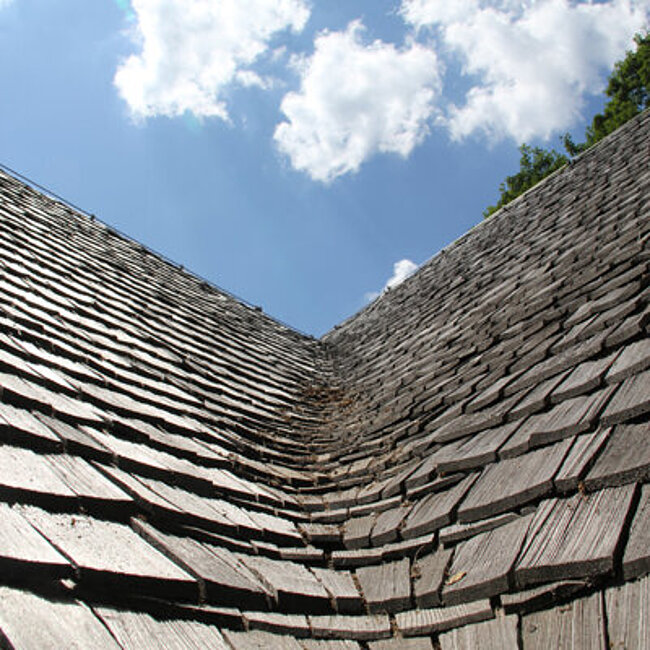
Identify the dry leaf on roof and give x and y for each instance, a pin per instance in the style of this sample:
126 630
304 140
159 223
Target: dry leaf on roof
457 577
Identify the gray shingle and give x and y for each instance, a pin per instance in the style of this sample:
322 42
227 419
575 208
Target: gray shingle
629 401
624 459
419 622
512 483
30 621
434 511
636 559
574 538
581 624
482 565
627 615
497 634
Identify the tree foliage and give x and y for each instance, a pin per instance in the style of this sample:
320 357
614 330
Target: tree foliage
534 165
628 90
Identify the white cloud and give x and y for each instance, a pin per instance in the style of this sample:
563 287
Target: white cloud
191 50
534 61
424 13
356 100
401 270
248 79
5 3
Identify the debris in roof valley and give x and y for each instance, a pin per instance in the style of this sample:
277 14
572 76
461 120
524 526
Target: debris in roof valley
463 464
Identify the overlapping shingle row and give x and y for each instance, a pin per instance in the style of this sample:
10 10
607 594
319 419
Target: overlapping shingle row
465 460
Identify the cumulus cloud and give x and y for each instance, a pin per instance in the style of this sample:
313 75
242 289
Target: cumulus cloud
356 100
534 61
401 270
191 50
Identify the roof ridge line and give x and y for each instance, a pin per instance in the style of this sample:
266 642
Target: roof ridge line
81 212
499 214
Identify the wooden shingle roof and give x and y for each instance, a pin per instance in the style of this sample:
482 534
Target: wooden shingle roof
465 463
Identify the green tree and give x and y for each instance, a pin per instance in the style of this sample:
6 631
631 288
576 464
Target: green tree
534 165
628 90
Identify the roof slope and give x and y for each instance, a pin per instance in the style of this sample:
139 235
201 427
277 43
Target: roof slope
463 462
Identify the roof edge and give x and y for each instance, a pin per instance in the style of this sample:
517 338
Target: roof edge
79 212
501 213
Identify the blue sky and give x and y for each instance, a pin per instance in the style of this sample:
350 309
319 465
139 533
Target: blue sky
294 151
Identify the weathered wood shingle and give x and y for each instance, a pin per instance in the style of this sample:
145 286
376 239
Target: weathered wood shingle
482 565
576 537
636 558
628 615
581 624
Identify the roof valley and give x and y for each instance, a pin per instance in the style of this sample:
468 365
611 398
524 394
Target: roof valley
176 464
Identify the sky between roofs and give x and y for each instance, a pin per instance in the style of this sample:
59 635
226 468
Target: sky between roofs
300 153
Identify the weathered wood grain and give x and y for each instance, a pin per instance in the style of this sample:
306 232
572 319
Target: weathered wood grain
512 483
633 359
579 459
135 631
423 474
624 459
421 622
320 533
636 557
342 589
458 532
356 532
30 621
630 400
317 644
224 580
111 556
408 548
429 573
537 397
541 597
434 511
474 451
575 415
27 477
77 440
386 587
361 557
482 565
295 625
258 640
438 484
202 511
274 529
401 644
387 525
95 492
470 423
293 586
228 431
356 628
586 377
498 634
146 498
490 394
576 626
574 538
628 615
24 553
21 427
